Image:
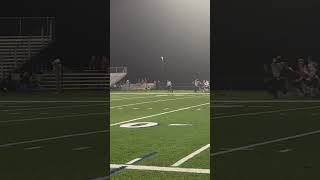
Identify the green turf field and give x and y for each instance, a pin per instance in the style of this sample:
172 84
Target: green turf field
258 138
45 136
179 152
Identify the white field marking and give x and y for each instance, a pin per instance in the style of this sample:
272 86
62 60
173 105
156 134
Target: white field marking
120 108
259 106
218 113
135 108
266 101
47 101
227 106
285 150
133 161
159 114
165 108
149 108
81 148
180 125
152 93
165 169
162 100
54 107
266 142
199 109
52 138
247 149
53 117
183 160
139 97
16 106
32 148
266 112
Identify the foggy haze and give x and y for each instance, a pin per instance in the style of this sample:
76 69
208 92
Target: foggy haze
144 30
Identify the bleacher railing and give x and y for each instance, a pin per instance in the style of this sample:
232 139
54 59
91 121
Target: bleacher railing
27 26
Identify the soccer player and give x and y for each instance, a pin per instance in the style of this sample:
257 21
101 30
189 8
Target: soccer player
313 80
196 84
276 83
169 86
57 70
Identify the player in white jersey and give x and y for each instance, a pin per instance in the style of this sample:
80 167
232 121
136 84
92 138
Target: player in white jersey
206 85
169 86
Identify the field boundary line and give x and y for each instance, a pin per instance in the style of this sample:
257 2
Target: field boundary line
159 168
161 100
185 159
265 112
50 101
52 138
138 97
53 117
155 93
266 142
51 107
265 101
159 114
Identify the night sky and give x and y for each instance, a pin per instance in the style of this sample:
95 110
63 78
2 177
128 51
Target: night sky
82 27
248 33
144 30
245 34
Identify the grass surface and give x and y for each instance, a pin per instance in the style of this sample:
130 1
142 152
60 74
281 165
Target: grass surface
274 133
171 142
45 135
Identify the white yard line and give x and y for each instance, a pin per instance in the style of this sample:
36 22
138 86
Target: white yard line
32 148
165 93
123 98
265 101
53 107
227 106
265 112
285 150
51 101
133 161
159 114
52 138
53 117
81 148
164 169
162 100
266 142
185 159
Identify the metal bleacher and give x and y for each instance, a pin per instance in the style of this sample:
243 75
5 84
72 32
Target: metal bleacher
117 74
79 80
17 46
92 80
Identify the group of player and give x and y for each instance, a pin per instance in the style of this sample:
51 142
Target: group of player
203 86
302 79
